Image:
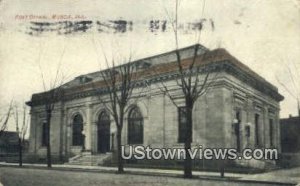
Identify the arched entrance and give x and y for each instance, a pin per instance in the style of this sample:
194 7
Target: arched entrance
103 133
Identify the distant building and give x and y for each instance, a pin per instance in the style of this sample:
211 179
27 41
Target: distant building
240 110
9 143
290 142
290 134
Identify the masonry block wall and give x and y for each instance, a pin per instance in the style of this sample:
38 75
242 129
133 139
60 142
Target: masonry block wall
239 110
213 117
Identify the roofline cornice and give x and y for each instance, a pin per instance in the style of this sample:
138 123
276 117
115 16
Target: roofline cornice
217 66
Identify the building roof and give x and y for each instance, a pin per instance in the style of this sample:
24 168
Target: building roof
159 59
166 64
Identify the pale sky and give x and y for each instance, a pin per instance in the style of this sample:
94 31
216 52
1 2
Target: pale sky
263 34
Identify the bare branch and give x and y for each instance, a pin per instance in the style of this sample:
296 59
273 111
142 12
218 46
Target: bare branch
176 24
292 79
25 128
24 121
165 89
41 72
200 29
16 116
4 124
286 89
101 100
58 68
181 73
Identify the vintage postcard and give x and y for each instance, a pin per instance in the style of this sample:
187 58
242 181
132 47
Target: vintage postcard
161 92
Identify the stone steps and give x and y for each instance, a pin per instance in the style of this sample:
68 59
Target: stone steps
89 159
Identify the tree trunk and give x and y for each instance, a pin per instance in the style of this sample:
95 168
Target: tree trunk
298 103
20 152
120 160
188 141
48 120
222 168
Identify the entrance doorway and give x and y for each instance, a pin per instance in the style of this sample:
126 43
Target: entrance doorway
103 133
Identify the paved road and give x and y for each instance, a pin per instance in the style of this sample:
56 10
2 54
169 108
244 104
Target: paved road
10 176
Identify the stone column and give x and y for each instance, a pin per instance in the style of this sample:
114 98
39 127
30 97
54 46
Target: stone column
243 124
63 133
276 137
94 133
33 133
68 143
266 128
261 123
88 126
250 123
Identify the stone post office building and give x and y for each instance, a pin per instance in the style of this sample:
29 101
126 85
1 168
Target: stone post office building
240 109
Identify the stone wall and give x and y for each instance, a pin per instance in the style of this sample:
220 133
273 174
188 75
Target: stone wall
213 116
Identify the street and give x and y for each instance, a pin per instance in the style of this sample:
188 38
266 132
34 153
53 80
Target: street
10 176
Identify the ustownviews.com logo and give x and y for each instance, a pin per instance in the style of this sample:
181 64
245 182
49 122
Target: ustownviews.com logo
140 152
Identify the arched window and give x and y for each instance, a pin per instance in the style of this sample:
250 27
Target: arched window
77 130
135 127
103 133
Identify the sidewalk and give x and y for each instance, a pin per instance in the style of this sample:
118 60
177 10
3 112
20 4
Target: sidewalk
284 177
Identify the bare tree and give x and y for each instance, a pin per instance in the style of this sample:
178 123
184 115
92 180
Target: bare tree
294 78
193 81
119 82
51 95
115 91
21 132
5 118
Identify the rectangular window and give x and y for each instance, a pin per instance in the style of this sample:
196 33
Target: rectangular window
44 134
271 132
182 124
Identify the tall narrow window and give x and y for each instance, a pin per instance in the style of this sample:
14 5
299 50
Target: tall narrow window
182 124
271 132
135 127
44 134
257 140
237 131
77 130
103 133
